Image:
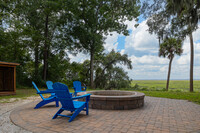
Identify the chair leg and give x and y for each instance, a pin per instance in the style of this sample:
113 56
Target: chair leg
40 104
76 113
58 112
57 103
87 110
75 94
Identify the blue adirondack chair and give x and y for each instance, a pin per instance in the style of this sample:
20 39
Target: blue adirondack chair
50 87
45 100
68 102
78 88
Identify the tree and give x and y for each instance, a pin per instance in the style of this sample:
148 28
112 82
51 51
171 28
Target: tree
12 47
107 74
41 21
95 19
179 18
58 67
169 48
32 26
26 34
188 13
189 8
37 34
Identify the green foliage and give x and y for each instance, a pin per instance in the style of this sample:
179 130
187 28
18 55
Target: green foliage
57 67
95 19
171 17
23 41
74 72
108 74
135 87
187 11
170 47
37 35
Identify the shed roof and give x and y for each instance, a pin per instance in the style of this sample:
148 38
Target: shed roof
8 64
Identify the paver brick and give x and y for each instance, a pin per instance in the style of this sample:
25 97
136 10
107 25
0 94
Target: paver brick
158 115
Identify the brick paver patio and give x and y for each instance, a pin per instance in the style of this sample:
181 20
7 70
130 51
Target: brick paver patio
157 115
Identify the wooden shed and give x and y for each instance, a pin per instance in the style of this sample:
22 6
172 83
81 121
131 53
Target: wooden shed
8 78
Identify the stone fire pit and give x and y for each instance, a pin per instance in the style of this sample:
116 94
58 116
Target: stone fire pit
115 100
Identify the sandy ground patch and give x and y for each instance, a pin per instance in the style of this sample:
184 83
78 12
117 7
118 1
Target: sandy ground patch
6 126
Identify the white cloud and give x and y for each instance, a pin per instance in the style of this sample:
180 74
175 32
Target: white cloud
141 40
184 59
80 57
196 35
150 66
164 68
111 42
131 24
197 48
148 59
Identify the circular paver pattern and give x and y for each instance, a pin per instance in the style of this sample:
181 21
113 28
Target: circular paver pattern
157 115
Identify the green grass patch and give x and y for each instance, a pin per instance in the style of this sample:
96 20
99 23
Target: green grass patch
193 97
180 85
176 93
21 93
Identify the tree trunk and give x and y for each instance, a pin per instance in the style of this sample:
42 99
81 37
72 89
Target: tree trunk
15 52
91 68
191 62
169 71
36 60
45 54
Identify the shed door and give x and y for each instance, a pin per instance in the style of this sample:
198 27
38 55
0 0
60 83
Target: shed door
9 79
6 79
1 79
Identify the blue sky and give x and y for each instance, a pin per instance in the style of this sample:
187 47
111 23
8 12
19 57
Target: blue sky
142 50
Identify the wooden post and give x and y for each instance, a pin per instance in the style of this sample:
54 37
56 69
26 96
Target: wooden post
14 76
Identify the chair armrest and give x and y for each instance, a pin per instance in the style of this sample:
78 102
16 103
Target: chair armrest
79 97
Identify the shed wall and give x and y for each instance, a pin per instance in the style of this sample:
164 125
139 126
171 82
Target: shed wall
6 79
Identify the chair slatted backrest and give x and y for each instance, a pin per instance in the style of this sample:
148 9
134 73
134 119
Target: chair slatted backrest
64 96
35 86
50 86
77 85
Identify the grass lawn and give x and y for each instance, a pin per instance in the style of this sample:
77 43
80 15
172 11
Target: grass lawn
23 93
180 90
20 93
182 85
